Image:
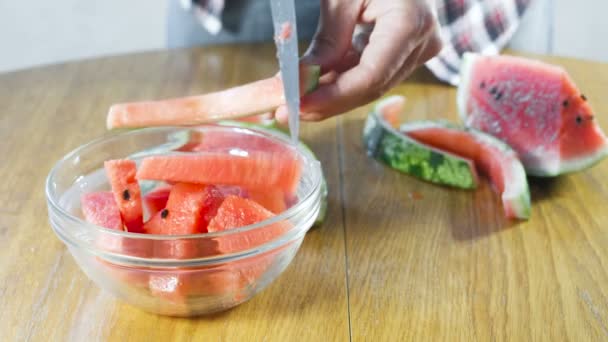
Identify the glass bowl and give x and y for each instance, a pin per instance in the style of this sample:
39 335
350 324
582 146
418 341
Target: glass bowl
152 272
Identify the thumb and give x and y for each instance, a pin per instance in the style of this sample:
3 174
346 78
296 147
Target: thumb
334 34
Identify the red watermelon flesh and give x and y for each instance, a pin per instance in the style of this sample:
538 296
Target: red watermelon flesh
254 169
121 175
249 99
181 284
534 107
223 140
99 208
156 200
491 156
189 209
273 199
236 212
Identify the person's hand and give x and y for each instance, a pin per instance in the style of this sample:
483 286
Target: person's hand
366 47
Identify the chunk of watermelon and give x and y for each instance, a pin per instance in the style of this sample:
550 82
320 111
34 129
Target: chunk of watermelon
236 212
189 209
156 200
273 199
99 208
121 175
249 99
493 157
181 285
534 107
254 169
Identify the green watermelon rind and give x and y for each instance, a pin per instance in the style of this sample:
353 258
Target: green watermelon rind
518 197
314 74
409 156
558 166
271 126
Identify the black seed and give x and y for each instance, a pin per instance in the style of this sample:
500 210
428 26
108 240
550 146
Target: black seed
126 195
565 103
164 213
579 119
583 97
493 90
482 85
497 96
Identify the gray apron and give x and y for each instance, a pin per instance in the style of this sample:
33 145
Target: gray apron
244 21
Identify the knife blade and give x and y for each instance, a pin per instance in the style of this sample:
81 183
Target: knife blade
286 40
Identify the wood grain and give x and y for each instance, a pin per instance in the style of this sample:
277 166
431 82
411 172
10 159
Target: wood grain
387 265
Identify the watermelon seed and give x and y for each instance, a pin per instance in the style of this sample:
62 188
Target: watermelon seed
482 85
565 103
164 213
493 90
126 195
583 97
497 96
579 119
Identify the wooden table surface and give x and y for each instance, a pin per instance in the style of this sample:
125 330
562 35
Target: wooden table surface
385 265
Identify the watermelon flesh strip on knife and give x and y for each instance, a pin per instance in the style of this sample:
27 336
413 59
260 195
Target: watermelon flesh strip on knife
245 100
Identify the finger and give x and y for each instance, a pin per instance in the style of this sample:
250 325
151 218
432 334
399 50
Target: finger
333 37
390 44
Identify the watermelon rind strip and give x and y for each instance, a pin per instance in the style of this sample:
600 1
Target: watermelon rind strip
409 156
516 196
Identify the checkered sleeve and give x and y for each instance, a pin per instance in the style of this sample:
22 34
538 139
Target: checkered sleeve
483 26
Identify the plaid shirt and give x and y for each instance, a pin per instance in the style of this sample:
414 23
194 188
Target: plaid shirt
483 26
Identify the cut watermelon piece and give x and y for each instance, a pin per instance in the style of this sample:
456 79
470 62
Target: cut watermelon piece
189 209
99 208
271 199
156 200
254 169
493 157
249 99
121 175
271 127
535 108
409 156
236 212
181 285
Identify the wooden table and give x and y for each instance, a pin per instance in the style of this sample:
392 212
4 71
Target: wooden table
385 265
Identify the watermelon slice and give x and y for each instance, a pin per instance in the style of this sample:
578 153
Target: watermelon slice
236 212
409 156
99 208
181 285
254 169
535 108
493 157
156 200
273 199
270 126
249 99
121 175
189 209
